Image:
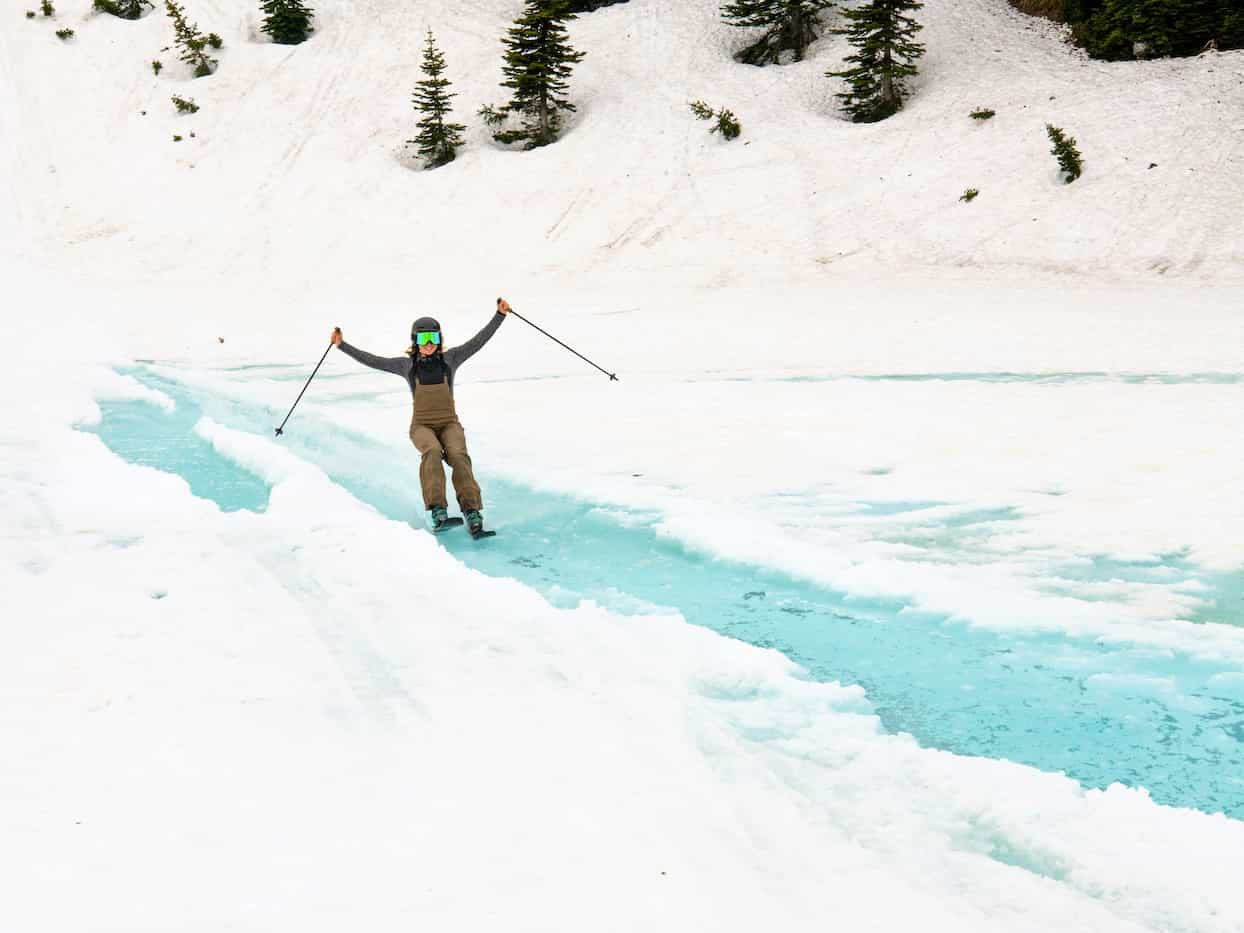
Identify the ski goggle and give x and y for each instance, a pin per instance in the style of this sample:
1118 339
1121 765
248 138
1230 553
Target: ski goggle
424 337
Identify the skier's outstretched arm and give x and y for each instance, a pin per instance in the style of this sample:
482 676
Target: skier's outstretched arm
398 365
458 355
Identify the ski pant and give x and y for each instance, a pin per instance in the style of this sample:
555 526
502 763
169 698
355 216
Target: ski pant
445 444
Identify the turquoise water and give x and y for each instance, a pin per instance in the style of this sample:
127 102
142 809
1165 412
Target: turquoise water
168 443
1100 713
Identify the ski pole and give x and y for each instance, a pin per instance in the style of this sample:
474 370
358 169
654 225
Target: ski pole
281 429
613 377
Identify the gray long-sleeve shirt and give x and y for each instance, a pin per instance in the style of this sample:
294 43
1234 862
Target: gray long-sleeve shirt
402 365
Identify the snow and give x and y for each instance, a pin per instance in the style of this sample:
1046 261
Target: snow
314 716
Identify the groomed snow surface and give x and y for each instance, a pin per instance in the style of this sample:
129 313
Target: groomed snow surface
314 717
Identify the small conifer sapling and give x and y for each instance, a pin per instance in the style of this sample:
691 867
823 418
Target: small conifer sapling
727 125
983 114
1069 158
65 34
725 122
46 8
191 43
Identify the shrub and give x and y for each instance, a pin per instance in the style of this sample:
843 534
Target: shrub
47 8
983 114
970 195
185 105
65 34
157 66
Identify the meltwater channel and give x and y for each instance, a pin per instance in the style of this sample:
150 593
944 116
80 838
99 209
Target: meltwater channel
1100 713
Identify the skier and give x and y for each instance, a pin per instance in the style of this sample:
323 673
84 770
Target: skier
435 430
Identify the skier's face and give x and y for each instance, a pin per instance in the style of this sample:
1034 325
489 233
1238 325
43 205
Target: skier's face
428 349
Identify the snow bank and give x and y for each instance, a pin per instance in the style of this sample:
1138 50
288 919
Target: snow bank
316 713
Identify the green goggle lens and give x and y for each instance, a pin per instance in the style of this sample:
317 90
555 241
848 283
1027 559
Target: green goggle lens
425 337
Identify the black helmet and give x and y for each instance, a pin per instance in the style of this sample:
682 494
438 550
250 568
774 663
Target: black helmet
424 324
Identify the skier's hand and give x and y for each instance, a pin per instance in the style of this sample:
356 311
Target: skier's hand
503 306
336 338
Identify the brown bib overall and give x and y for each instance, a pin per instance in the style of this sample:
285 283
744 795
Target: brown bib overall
437 435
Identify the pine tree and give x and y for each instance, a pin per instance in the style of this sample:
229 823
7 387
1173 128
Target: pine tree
791 26
192 42
883 33
125 9
1232 31
288 22
438 141
538 60
1123 29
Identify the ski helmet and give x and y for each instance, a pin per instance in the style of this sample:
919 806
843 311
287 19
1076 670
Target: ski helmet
424 323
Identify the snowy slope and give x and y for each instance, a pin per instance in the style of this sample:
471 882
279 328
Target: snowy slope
308 139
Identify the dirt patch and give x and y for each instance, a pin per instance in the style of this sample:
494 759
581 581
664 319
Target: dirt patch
1050 9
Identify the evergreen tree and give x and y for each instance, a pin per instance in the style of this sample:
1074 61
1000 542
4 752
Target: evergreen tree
538 60
586 6
883 33
438 141
1231 33
126 9
191 42
791 25
288 22
1123 29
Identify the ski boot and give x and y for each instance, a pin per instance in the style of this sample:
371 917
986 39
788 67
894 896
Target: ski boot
475 524
441 519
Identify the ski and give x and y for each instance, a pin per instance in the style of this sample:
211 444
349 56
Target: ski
478 533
